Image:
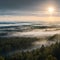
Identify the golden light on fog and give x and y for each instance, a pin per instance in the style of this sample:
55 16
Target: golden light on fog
50 10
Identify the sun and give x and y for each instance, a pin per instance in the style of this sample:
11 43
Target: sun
50 10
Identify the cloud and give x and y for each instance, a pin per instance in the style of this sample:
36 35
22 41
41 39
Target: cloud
28 18
17 4
26 7
27 4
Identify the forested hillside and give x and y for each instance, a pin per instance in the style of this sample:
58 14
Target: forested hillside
51 52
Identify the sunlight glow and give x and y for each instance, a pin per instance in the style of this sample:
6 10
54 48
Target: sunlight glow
50 10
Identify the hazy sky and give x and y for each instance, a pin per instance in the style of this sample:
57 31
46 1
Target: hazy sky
29 10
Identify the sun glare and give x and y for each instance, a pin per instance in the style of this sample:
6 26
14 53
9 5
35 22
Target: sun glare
50 10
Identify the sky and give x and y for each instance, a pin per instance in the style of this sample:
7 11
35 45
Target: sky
29 10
